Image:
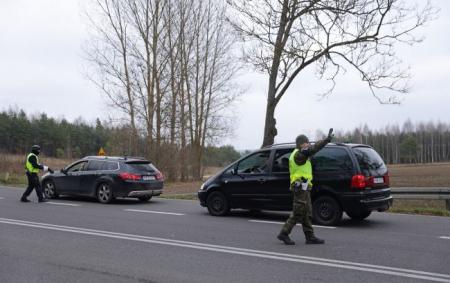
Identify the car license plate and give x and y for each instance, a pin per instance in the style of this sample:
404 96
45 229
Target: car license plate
148 178
379 180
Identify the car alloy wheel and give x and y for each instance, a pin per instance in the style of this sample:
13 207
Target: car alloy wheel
104 193
327 211
217 204
49 189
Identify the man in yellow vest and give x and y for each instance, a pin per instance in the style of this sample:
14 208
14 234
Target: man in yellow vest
301 176
32 168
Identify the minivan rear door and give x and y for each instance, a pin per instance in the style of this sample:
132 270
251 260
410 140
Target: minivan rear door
278 191
332 169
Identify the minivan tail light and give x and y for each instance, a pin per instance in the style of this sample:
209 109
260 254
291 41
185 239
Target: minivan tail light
359 182
159 176
129 176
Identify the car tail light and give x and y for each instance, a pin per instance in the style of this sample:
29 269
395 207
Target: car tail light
359 182
129 176
386 179
159 176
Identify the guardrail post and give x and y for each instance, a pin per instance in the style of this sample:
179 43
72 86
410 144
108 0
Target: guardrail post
447 204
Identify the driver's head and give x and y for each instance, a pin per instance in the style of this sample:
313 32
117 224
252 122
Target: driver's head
301 141
36 149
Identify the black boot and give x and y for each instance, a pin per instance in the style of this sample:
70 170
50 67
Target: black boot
311 239
24 199
285 239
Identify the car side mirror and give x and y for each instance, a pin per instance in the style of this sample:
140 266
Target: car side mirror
64 171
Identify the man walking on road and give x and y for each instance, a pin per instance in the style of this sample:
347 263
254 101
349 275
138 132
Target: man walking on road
32 168
300 171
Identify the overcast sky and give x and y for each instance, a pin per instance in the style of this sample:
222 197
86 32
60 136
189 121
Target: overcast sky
42 70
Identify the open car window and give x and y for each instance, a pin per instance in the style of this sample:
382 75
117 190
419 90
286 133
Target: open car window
80 166
254 164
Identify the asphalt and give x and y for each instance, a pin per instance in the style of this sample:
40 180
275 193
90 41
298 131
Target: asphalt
80 240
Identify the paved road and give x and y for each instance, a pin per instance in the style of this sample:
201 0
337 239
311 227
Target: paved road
79 240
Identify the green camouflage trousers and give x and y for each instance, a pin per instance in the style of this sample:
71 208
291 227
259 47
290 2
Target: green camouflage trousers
301 213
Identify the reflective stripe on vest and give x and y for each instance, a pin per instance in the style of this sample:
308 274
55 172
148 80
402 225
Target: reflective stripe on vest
29 166
296 172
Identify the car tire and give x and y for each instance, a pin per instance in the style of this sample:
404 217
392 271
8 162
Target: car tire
326 211
217 204
144 198
359 216
50 190
104 193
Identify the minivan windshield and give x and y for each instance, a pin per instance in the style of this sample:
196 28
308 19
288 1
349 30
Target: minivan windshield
369 161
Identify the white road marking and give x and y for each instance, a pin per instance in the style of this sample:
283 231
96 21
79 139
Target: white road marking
444 237
62 203
402 272
277 222
155 212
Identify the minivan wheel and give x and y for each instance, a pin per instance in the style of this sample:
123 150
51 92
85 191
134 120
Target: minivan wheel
360 215
49 189
326 211
144 198
217 204
104 193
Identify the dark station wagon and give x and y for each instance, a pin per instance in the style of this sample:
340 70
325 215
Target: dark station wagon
350 178
106 178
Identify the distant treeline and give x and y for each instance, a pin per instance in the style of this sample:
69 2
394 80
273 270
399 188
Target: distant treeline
62 139
410 143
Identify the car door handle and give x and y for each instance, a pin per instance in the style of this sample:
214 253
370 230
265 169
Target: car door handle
262 180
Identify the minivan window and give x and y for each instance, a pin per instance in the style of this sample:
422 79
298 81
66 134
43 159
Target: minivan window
369 161
281 161
95 165
332 159
256 163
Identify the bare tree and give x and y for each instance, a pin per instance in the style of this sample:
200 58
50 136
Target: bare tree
109 52
284 37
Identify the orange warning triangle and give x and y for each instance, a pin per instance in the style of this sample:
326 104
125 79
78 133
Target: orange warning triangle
101 152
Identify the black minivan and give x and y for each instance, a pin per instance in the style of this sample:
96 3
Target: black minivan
347 177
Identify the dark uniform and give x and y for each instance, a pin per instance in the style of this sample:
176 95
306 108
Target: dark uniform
302 207
32 168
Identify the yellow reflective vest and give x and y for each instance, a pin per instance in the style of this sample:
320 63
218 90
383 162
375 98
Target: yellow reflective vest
296 172
29 166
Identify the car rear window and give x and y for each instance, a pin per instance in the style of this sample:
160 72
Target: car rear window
370 162
141 166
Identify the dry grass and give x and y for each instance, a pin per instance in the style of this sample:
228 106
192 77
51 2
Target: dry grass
12 169
420 175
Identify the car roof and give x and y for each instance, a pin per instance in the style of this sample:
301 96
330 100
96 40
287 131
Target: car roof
116 158
292 145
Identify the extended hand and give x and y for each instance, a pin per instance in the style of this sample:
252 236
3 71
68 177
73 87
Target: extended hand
330 134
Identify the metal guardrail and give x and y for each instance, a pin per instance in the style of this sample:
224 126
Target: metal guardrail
439 193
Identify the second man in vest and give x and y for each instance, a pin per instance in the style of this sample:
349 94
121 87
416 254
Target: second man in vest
32 168
301 176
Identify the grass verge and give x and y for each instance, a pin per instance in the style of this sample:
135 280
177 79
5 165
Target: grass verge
422 207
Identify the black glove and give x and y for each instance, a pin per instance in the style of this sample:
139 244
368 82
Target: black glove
51 171
330 134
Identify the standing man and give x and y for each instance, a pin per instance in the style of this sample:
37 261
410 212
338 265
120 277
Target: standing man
32 168
301 176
